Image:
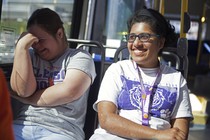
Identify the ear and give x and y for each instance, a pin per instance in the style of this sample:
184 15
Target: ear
60 33
162 42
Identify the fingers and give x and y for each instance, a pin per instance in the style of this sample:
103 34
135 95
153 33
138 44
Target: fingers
178 134
26 40
22 35
171 134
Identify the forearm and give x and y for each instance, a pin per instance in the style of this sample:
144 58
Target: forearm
22 78
182 124
112 122
117 125
61 93
51 96
123 127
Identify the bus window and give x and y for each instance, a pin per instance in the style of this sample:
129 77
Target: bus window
118 12
14 16
113 15
193 31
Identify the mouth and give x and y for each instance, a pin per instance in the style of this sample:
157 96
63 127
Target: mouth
139 52
41 52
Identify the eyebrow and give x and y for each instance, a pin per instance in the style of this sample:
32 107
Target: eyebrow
42 39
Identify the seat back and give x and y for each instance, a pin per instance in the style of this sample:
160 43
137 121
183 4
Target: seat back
91 116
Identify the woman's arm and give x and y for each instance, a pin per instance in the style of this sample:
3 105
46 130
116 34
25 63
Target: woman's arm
23 81
117 125
74 86
182 124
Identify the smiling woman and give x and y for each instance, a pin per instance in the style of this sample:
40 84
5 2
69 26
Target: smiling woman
137 98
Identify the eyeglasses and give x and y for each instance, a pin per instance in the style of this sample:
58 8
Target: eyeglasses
144 37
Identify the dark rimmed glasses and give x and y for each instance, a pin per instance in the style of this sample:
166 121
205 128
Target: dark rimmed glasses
143 37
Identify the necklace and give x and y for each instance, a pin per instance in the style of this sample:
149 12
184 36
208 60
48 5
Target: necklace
146 95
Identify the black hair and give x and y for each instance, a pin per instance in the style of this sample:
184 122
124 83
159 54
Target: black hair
46 19
157 22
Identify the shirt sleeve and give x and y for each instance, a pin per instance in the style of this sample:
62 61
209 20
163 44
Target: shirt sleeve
183 106
83 61
110 86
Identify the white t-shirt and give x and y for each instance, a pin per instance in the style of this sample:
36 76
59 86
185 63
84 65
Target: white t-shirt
170 98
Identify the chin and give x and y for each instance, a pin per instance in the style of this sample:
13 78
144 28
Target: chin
44 57
137 58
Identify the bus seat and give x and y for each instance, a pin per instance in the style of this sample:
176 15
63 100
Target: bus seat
121 53
91 121
172 57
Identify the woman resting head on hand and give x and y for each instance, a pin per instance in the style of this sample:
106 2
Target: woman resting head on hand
51 79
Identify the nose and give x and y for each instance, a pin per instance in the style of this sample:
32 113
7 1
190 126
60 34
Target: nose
137 42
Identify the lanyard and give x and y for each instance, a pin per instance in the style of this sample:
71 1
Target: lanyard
145 97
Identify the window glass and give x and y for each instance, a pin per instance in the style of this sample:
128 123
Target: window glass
15 14
118 12
193 31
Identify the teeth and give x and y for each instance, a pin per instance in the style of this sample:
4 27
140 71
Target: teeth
138 52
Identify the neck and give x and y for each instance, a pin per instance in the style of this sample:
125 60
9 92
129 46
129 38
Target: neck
151 65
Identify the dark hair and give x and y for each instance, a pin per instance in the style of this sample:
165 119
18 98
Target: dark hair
157 22
46 19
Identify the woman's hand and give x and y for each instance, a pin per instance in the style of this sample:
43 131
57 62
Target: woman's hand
26 40
170 134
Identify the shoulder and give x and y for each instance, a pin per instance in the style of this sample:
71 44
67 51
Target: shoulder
77 52
171 73
81 60
77 55
169 70
120 65
124 67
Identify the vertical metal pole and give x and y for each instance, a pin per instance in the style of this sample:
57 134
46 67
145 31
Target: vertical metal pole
162 7
156 2
184 8
182 44
200 36
0 8
89 19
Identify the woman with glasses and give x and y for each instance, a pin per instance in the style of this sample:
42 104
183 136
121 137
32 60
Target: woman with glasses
141 98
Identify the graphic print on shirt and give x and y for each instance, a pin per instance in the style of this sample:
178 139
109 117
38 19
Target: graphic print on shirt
163 100
42 76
